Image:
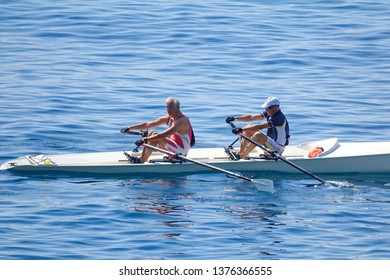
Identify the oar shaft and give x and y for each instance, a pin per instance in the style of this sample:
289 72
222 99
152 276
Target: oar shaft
196 162
126 131
280 157
285 160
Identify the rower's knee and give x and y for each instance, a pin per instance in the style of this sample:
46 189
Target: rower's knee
260 137
153 142
162 143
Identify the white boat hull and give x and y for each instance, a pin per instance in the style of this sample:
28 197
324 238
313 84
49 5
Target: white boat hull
359 157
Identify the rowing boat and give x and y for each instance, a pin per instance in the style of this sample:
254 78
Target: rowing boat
356 157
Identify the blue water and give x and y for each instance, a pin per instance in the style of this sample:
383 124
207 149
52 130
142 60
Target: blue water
74 72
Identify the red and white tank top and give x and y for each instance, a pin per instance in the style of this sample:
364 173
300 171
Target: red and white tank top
183 140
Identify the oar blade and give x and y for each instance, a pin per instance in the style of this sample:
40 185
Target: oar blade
264 185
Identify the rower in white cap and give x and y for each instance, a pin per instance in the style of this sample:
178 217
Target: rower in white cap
277 136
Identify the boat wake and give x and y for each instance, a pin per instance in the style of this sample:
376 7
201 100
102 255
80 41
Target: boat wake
332 184
344 184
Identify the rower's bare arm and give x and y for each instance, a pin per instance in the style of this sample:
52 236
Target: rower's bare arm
177 126
146 125
249 117
256 127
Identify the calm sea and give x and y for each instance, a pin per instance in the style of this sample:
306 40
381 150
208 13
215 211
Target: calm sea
74 72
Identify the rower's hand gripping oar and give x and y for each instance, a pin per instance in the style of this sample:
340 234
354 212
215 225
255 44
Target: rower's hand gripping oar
142 133
237 130
263 184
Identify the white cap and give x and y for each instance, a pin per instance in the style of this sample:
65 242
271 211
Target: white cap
271 101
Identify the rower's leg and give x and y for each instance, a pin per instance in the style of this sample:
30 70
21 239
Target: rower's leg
260 138
244 142
147 152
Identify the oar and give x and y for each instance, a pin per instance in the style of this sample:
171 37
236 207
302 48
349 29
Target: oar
266 185
280 157
142 133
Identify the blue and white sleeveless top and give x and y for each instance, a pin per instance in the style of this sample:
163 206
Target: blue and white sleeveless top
279 129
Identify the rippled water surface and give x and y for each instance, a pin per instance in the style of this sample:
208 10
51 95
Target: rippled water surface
74 72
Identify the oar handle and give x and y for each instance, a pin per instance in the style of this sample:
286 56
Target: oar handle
232 124
142 133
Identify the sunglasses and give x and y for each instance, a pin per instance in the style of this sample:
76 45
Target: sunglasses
270 107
